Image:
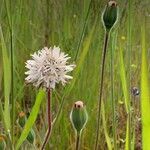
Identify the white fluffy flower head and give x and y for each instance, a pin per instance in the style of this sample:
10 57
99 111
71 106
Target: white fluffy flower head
48 67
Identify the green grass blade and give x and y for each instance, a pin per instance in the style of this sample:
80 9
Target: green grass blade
133 141
7 80
113 102
86 46
123 80
31 119
83 30
127 135
145 96
2 115
126 97
108 140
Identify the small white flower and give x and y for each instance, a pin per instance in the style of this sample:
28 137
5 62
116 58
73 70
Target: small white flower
48 67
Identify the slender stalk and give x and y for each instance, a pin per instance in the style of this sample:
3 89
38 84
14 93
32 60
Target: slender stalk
78 140
12 74
10 24
47 23
59 111
129 69
101 87
83 30
134 117
112 98
47 136
8 135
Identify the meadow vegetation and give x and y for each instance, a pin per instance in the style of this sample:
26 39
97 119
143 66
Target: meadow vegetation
76 27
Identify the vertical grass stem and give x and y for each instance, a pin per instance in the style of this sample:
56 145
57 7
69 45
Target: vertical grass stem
101 86
83 30
112 95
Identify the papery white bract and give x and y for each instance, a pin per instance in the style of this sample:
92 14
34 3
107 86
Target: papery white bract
48 67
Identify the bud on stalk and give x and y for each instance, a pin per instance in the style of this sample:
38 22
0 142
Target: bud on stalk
78 117
22 120
110 15
2 142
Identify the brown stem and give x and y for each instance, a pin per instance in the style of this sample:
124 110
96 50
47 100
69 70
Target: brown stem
101 87
49 119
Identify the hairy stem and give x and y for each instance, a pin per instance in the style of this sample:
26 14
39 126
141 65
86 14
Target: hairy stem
101 87
47 136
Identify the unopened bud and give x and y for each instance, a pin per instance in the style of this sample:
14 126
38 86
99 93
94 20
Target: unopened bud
79 116
31 136
110 14
2 142
22 121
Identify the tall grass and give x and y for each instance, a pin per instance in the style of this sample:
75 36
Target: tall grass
31 119
8 7
7 79
113 101
145 93
76 27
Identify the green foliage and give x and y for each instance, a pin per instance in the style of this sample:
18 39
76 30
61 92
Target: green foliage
66 21
7 79
31 119
145 94
22 121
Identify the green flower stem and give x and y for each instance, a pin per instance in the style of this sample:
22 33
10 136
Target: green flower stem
47 136
78 140
101 87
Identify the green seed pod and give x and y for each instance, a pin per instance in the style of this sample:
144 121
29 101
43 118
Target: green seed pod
110 15
22 120
31 136
2 142
78 116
